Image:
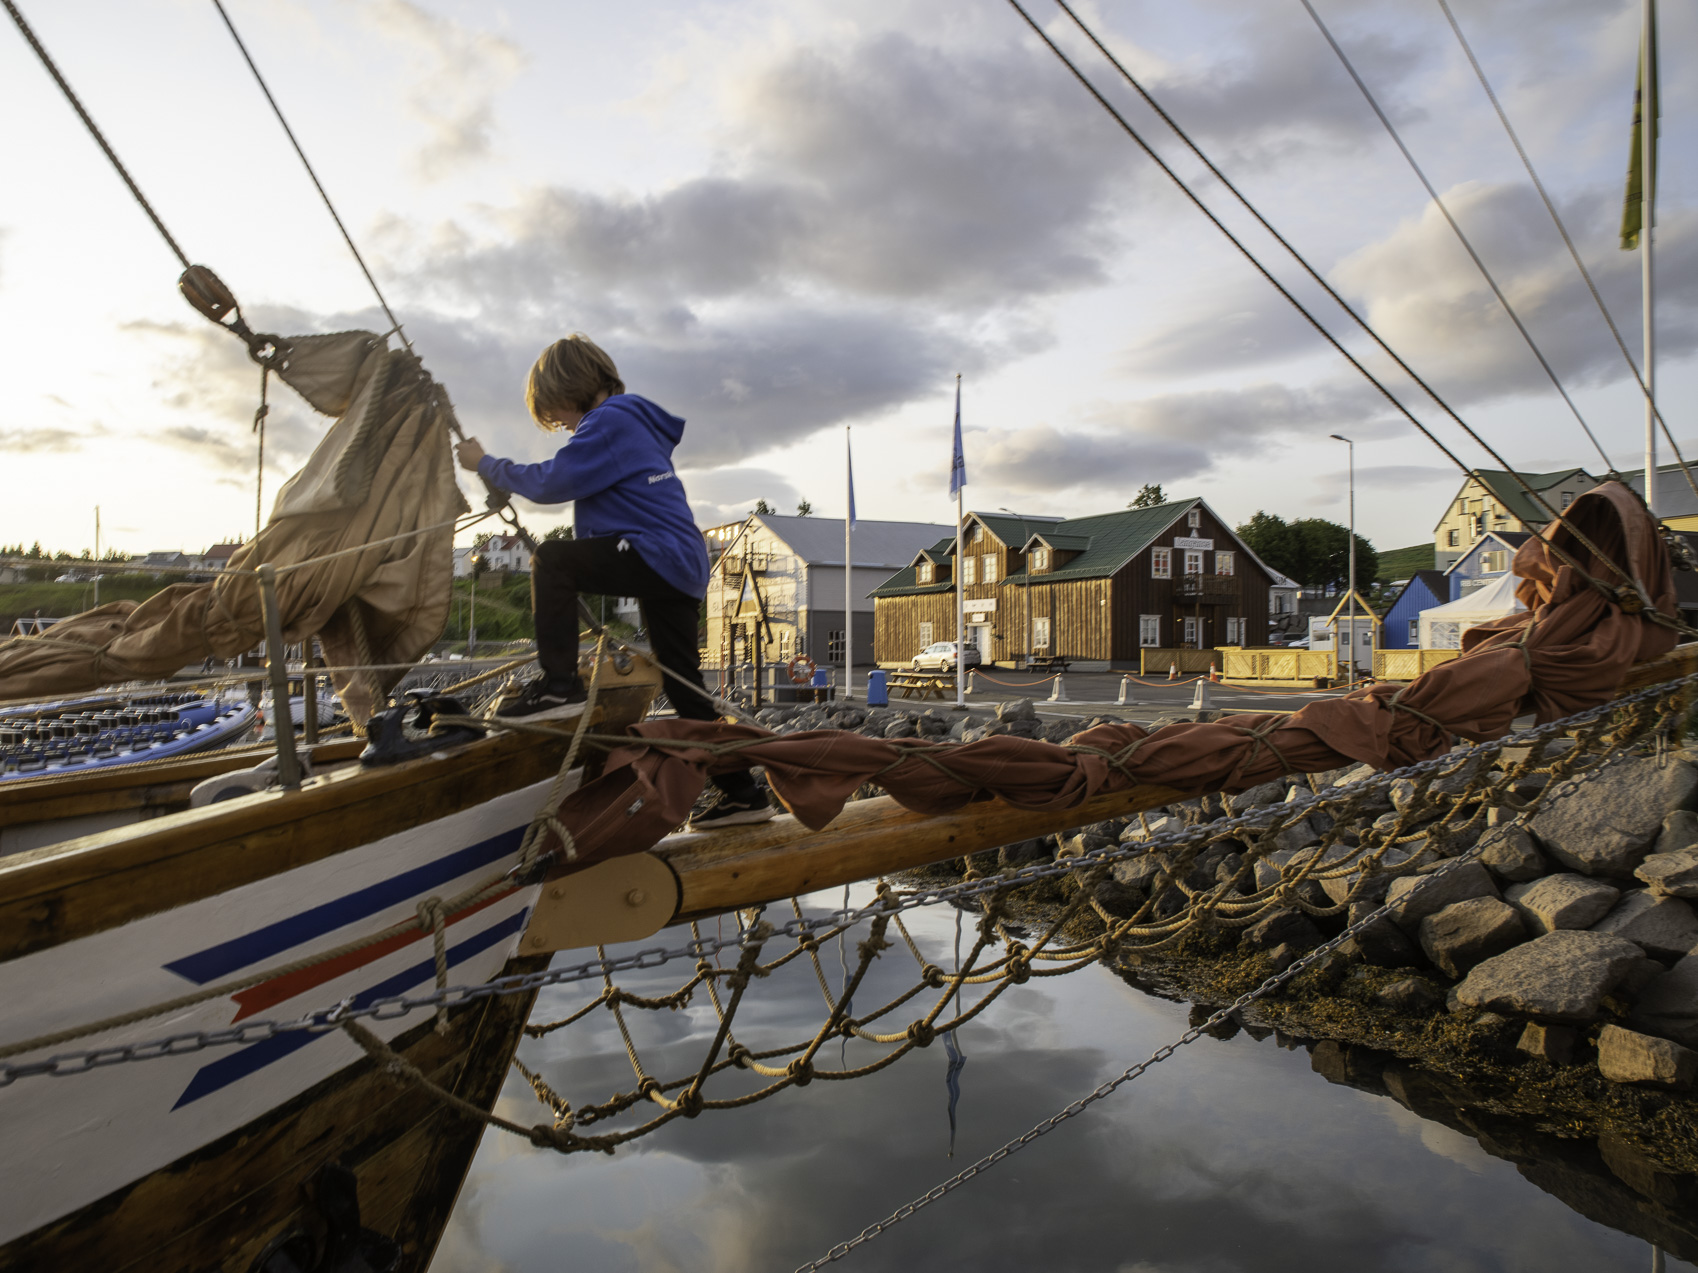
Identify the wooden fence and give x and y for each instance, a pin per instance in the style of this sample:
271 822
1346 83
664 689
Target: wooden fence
1406 665
1154 661
1276 663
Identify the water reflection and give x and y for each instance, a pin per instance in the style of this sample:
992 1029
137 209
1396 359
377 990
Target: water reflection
1230 1156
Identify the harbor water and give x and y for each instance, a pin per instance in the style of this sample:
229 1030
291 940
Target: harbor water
1234 1154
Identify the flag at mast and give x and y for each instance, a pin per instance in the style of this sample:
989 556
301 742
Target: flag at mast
848 572
1638 224
958 480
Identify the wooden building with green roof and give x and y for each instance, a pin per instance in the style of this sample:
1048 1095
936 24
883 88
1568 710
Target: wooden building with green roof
1096 589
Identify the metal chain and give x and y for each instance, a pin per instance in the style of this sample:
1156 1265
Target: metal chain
888 906
1218 1018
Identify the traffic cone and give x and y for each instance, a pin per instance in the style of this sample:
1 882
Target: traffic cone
1214 674
1173 671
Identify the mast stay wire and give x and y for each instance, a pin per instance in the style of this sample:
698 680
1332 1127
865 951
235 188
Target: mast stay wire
1255 262
1562 229
1314 274
394 323
52 68
1462 238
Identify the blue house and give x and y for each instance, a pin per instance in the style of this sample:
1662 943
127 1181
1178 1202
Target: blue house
1487 561
1427 588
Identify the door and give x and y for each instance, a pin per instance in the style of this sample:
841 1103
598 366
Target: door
980 635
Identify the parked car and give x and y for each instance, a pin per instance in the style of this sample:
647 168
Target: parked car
939 656
1302 644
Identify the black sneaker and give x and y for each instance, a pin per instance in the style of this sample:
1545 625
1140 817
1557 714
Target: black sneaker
727 812
543 698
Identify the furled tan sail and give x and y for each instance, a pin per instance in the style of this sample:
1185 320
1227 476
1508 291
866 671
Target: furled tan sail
384 469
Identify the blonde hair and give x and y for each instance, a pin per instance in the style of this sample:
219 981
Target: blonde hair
570 374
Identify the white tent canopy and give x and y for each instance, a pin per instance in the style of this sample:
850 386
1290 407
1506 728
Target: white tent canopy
1441 627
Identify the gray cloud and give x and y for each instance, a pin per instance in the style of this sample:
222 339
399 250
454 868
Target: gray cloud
43 440
459 71
1275 90
1172 437
720 495
1429 302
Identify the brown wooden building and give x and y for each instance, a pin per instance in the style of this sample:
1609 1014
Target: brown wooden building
1089 588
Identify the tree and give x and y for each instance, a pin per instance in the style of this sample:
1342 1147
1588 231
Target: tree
561 532
1312 550
1149 495
804 509
761 506
1325 553
1270 537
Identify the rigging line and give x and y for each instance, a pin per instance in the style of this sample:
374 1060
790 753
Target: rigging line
1126 126
306 163
1301 260
1562 229
1249 256
94 129
1462 238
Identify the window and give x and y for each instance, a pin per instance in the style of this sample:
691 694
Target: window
1494 563
925 635
1149 629
926 573
1191 627
1194 518
1453 539
1232 636
1567 498
1040 559
987 568
1414 633
1040 634
1161 563
978 534
1223 563
1193 561
784 645
834 647
967 569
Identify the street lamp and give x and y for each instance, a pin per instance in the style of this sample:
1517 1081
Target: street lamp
476 562
1350 584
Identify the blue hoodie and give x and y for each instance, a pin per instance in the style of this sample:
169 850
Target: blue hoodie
617 469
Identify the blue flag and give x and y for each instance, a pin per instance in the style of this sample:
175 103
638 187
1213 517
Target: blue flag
849 459
958 461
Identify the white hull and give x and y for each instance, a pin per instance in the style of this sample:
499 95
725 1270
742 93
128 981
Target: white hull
70 1141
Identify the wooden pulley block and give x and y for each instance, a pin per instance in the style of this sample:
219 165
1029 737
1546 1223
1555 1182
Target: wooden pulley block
207 293
622 899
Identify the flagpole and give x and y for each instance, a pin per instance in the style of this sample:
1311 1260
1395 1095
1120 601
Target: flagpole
958 479
848 570
1647 196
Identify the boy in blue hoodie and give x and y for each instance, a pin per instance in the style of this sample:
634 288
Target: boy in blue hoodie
636 537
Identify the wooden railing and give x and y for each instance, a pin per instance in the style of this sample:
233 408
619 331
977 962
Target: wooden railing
1155 661
1276 663
1406 665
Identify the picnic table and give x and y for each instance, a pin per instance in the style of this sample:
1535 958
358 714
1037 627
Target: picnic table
922 685
1047 662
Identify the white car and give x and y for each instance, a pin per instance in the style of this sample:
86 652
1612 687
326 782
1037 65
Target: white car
940 657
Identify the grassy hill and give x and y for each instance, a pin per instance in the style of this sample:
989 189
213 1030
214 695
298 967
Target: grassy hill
57 600
1400 563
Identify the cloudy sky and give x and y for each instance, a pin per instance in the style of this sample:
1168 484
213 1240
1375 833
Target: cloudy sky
787 218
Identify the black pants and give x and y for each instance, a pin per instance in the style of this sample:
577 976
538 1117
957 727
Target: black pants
563 568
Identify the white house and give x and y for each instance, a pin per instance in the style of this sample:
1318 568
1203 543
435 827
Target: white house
500 552
794 567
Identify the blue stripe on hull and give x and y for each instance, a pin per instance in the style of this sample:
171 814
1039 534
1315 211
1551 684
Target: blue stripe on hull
238 1065
241 952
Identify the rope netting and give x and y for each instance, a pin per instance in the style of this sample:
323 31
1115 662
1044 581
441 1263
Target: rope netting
1369 838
